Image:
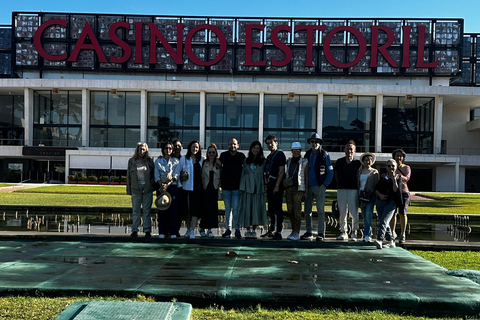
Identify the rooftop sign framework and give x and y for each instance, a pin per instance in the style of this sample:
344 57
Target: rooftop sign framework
99 42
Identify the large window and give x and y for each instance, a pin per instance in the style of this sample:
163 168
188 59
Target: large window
11 120
290 118
232 117
57 118
114 119
347 119
173 116
408 124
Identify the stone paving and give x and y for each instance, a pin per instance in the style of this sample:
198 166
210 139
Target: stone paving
235 273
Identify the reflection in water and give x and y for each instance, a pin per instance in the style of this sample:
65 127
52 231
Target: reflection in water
458 228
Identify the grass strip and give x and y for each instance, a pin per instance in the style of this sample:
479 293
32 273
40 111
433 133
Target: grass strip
42 308
452 259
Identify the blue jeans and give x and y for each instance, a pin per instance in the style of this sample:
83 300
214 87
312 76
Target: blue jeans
385 210
139 201
367 213
317 193
230 198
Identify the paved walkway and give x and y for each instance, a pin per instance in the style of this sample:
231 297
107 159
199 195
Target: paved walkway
233 273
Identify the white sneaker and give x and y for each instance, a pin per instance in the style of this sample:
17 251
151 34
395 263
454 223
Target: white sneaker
342 236
367 239
389 244
161 236
354 236
294 236
210 234
378 244
173 236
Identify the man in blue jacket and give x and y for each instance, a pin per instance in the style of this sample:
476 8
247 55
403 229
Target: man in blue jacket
320 173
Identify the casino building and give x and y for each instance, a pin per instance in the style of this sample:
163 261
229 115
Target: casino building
78 91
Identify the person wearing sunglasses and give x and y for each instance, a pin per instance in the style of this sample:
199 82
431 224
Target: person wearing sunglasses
211 173
294 184
319 173
387 192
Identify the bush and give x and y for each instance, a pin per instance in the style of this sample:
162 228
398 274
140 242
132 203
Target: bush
81 177
92 178
115 179
103 179
123 179
72 177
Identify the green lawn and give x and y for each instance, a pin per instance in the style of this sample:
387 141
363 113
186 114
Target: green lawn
41 308
84 195
48 308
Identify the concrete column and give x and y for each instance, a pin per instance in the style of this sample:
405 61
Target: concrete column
143 115
378 123
261 109
28 109
437 126
320 114
85 118
203 112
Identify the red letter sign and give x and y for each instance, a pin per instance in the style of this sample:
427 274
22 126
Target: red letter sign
155 33
421 50
117 40
309 62
80 45
282 46
249 45
37 40
382 48
361 49
191 54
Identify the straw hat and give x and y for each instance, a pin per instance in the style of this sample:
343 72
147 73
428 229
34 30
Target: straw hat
367 154
163 201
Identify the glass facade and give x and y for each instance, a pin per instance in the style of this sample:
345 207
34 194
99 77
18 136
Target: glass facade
12 120
290 118
57 118
172 116
408 124
114 119
231 117
347 119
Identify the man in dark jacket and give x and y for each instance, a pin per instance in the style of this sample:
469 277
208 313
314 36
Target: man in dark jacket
232 162
319 173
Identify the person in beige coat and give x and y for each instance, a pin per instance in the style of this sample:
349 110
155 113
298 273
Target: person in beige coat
294 183
140 185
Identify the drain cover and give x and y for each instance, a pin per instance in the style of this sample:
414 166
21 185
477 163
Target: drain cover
126 310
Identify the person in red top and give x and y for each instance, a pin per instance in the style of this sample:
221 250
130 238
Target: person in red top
403 171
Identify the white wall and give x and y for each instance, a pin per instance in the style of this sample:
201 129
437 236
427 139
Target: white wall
445 179
454 130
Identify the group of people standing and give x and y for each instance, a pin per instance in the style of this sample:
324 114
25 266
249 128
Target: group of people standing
359 185
189 185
